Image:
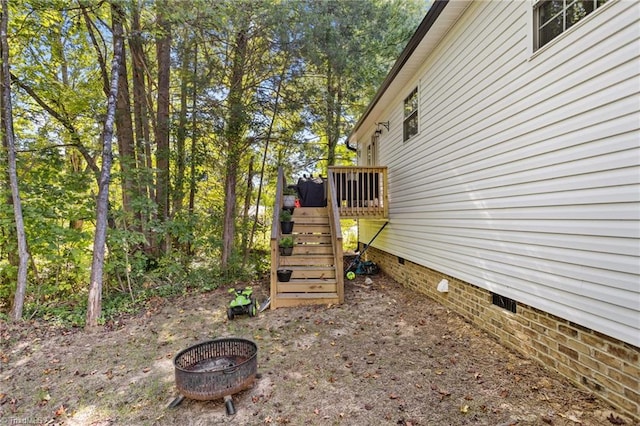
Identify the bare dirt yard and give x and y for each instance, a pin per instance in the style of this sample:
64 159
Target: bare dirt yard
385 357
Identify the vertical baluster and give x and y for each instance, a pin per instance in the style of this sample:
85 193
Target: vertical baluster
368 191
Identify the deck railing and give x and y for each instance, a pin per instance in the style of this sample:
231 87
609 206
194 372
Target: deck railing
275 234
336 235
361 191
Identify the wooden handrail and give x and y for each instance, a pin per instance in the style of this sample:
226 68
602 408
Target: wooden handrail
275 227
275 234
336 233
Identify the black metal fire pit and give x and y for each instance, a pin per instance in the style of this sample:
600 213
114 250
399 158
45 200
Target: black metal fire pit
216 369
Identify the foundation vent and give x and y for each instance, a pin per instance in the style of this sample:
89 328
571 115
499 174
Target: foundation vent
504 302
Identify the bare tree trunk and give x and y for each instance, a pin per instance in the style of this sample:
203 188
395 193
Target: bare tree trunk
228 233
336 124
333 116
10 246
234 136
141 116
7 118
181 131
163 47
194 138
124 132
264 161
245 213
94 308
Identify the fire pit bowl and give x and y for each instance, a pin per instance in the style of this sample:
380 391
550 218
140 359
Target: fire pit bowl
216 369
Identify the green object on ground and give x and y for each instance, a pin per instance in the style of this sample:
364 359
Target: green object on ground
244 303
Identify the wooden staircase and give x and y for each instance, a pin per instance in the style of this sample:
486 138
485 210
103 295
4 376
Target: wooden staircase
316 262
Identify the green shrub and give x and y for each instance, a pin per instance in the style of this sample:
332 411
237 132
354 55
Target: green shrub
290 191
285 216
286 242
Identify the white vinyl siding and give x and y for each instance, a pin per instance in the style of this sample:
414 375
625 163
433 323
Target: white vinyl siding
525 176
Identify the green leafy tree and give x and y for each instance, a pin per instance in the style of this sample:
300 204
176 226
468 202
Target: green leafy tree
94 306
9 143
213 98
348 49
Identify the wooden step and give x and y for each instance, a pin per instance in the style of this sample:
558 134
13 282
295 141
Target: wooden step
311 228
308 286
310 212
313 249
313 239
314 272
311 215
305 220
283 300
304 259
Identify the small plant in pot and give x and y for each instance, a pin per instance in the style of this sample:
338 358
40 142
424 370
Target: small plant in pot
289 198
284 275
286 246
286 225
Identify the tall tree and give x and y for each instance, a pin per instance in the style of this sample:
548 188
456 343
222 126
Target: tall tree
141 117
234 135
163 53
126 144
194 144
124 123
249 46
272 121
94 307
185 52
7 129
350 46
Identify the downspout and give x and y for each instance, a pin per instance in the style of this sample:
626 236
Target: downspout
349 147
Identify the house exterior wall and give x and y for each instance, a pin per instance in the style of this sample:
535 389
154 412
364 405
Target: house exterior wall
524 178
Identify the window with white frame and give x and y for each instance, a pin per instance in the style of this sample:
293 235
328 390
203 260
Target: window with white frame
372 152
410 123
553 17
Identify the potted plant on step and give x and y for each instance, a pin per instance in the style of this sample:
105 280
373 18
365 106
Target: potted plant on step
286 246
284 275
289 198
286 225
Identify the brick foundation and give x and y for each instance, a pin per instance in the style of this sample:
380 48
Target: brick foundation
607 367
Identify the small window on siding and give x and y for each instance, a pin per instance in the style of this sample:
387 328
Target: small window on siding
410 124
372 150
553 17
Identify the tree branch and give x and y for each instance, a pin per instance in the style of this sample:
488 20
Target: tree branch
66 123
94 41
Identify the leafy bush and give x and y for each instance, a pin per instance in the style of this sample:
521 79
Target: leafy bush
289 191
286 242
285 216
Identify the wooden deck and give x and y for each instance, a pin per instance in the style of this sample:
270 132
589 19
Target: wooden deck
361 192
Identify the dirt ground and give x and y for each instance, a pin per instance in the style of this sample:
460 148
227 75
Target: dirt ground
385 357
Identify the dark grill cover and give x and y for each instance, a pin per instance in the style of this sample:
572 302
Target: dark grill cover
312 192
